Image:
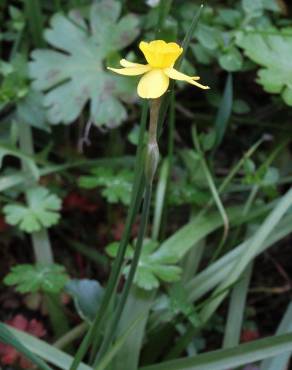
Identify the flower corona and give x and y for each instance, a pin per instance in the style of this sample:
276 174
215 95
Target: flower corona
161 57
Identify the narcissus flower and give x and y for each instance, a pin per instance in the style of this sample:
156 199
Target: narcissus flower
161 57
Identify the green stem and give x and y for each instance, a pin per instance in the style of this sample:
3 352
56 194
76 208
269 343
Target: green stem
213 190
42 247
40 240
160 196
35 20
137 192
57 316
232 173
150 169
164 8
111 330
71 335
170 150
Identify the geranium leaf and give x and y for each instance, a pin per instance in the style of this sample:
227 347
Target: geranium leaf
117 185
150 271
272 52
75 73
34 278
41 211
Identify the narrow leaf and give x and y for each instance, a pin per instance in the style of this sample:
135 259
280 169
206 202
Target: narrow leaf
230 358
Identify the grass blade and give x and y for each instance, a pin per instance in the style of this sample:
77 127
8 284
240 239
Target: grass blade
230 358
281 362
236 310
45 351
251 251
224 111
138 306
221 269
7 336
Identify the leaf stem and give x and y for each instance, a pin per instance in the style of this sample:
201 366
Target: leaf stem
40 240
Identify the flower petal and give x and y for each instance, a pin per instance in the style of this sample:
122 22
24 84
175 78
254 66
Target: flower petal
160 54
126 63
153 84
176 75
131 71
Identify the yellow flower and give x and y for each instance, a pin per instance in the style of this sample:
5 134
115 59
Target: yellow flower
161 57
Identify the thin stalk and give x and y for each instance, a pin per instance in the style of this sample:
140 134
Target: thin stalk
116 271
58 318
111 330
57 4
87 251
136 196
246 209
35 20
170 150
117 266
40 240
213 190
233 172
150 169
42 247
164 8
71 335
185 45
171 128
160 198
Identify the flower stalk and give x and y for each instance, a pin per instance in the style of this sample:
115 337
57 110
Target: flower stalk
151 162
152 155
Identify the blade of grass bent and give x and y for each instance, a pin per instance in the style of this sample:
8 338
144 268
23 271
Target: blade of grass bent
232 357
214 192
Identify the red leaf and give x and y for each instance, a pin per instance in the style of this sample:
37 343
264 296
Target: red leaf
18 322
36 328
9 355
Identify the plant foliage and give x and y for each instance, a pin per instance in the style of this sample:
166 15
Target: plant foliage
75 73
41 211
37 278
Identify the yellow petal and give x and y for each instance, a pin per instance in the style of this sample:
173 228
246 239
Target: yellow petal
160 54
131 71
153 84
176 75
126 63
